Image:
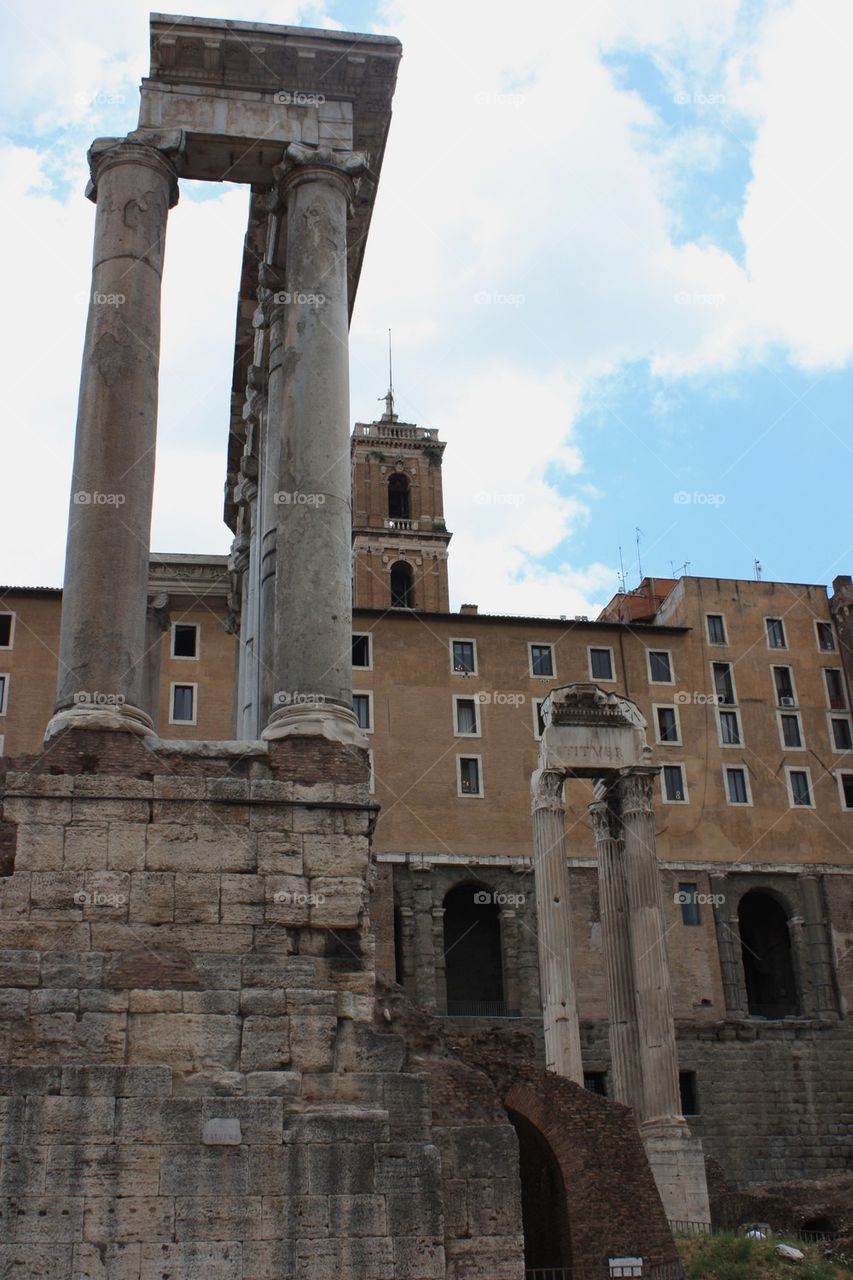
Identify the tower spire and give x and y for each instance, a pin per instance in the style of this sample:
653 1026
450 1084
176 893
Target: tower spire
389 415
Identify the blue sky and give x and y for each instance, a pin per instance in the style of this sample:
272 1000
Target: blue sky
615 262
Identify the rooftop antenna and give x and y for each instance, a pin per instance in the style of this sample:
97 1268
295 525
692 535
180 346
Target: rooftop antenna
639 534
681 571
623 583
758 570
389 413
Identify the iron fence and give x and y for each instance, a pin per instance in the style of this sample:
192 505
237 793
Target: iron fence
777 1233
610 1271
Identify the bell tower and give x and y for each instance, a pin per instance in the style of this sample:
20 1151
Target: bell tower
399 536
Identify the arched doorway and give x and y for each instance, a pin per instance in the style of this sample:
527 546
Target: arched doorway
402 586
398 497
768 967
547 1243
472 953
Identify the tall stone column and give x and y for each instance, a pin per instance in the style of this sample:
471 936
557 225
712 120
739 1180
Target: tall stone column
424 941
440 979
818 948
616 942
509 958
729 947
311 655
102 641
559 1009
653 993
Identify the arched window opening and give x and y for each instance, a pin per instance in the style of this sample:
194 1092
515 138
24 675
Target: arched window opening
771 988
398 497
472 953
547 1244
402 586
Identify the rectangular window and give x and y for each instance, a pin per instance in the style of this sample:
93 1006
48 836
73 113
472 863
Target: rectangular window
361 656
825 637
538 721
596 1082
729 729
845 786
467 722
7 630
791 732
834 688
784 686
775 633
801 792
688 1089
183 704
660 666
185 640
541 660
674 787
688 897
469 776
724 686
737 789
4 694
464 657
600 664
716 628
667 724
363 711
842 740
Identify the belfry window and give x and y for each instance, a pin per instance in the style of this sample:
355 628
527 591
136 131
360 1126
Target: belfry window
402 586
398 498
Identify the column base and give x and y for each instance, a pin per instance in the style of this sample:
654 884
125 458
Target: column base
677 1163
106 719
328 720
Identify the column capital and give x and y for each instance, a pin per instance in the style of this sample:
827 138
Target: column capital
636 790
303 163
162 150
546 790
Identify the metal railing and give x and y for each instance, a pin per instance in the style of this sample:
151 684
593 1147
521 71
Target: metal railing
479 1009
610 1271
679 1227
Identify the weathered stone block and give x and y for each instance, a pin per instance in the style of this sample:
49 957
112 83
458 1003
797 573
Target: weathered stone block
152 897
283 1084
265 1000
282 1168
63 1118
241 899
213 1218
418 1258
129 1219
334 856
407 1167
265 1044
467 1150
60 1037
39 848
413 1213
204 1171
104 810
196 896
269 1260
312 1042
336 902
41 1218
357 1215
126 846
279 853
19 968
71 969
55 1000
118 1082
211 1002
85 848
144 1001
261 970
295 1217
106 1262
24 809
368 1258
184 1041
179 847
337 1126
35 1261
16 1081
14 1003
205 1084
192 1261
57 892
340 1171
84 1170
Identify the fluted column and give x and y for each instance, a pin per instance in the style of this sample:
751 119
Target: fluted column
627 1080
653 993
729 947
102 641
559 1009
311 655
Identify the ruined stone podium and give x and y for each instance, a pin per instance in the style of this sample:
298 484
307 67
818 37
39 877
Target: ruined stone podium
198 1076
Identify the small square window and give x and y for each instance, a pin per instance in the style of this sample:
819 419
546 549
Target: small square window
185 640
601 664
776 633
469 776
825 637
736 787
596 1082
791 733
784 686
689 1092
541 660
716 629
183 704
361 651
660 666
361 707
688 898
7 630
466 717
801 794
724 687
674 790
729 729
464 657
846 781
834 688
842 739
667 721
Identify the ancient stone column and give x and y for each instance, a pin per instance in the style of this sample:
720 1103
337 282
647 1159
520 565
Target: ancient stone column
509 958
627 1080
311 656
424 939
102 642
158 622
440 979
559 1009
729 947
653 994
